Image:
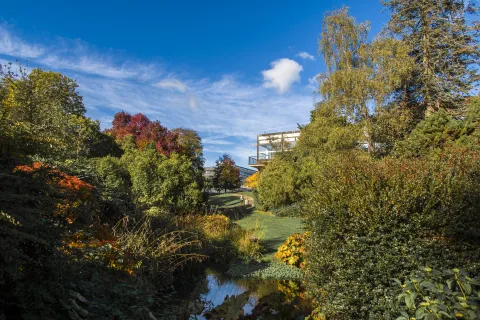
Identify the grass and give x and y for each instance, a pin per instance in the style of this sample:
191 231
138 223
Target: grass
275 230
224 200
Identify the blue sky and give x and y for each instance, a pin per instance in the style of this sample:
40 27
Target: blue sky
229 70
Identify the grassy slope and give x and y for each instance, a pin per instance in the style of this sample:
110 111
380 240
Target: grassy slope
224 200
274 230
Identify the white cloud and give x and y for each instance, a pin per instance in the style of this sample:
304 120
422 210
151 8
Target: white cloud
305 55
88 65
13 46
282 75
74 55
171 84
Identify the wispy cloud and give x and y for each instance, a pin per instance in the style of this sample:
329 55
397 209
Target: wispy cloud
282 75
88 65
171 84
13 46
305 55
227 112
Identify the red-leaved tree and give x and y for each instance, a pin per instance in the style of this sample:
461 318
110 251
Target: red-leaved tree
144 132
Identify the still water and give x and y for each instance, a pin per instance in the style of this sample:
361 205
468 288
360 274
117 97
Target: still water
215 295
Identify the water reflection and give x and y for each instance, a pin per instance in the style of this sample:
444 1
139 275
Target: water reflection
215 295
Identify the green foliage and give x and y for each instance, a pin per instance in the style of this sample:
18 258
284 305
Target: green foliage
442 38
360 74
272 270
440 130
293 210
431 294
257 202
158 181
371 220
327 132
42 114
278 183
226 175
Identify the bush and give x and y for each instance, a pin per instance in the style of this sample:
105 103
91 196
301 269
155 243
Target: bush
257 202
293 210
221 238
371 220
278 183
292 252
431 294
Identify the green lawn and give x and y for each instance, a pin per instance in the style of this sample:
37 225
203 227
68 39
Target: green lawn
224 200
274 230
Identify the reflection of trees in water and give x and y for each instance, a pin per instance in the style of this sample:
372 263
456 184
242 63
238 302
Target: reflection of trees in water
210 292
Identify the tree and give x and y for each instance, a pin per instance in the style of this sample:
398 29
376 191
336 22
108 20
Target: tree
444 45
161 182
191 146
441 130
252 181
35 113
361 77
144 132
226 174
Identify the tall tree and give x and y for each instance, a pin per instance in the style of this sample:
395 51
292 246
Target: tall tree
361 76
444 44
35 109
190 145
226 174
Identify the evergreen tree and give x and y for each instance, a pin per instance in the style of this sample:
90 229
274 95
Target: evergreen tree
444 45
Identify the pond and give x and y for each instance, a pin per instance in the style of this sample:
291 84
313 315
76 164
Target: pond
215 295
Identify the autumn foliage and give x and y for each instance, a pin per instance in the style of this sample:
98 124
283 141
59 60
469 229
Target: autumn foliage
292 251
72 191
144 132
252 181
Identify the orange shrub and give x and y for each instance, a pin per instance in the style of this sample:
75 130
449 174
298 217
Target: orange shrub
73 190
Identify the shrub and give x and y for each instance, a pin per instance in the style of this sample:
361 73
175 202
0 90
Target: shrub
278 183
257 202
73 195
292 252
293 210
221 238
371 220
431 294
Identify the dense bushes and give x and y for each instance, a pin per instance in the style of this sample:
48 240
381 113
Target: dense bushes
430 294
221 239
371 220
293 210
65 185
